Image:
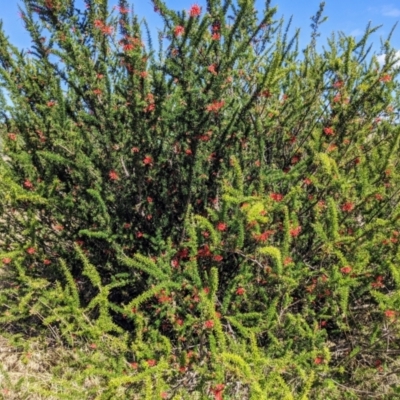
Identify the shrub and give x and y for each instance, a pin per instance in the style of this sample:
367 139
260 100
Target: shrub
222 218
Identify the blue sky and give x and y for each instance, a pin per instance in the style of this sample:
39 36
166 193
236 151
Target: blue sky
349 16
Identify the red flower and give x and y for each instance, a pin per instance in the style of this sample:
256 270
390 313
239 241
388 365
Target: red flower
338 84
93 345
328 131
295 231
307 181
150 108
346 270
46 262
135 149
147 160
107 30
97 91
28 184
211 69
179 30
51 103
31 250
113 176
209 324
164 299
331 147
128 47
295 159
287 261
139 234
215 106
262 237
151 363
276 196
390 314
265 93
134 365
349 206
98 23
6 260
378 282
337 98
217 391
216 26
385 78
183 253
12 136
204 251
221 226
240 291
123 10
218 258
174 263
196 298
216 36
195 10
318 360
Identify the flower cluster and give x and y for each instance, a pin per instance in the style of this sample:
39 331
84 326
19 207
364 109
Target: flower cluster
106 29
215 106
276 196
179 30
348 206
195 10
328 131
113 176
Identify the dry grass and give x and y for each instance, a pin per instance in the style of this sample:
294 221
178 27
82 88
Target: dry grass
41 371
31 367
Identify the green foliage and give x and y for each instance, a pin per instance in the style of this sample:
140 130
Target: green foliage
222 219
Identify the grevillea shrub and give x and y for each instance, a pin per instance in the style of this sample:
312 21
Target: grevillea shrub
217 217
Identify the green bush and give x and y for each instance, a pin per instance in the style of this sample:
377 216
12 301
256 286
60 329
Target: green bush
220 219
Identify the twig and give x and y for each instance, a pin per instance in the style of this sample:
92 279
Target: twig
124 167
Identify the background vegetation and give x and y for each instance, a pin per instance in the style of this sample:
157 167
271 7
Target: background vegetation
218 218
